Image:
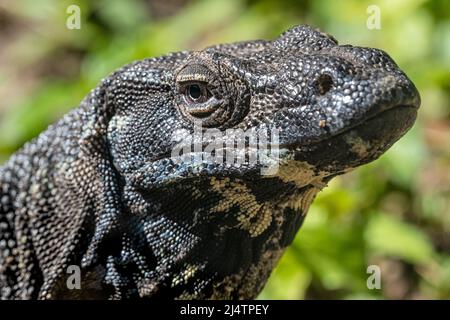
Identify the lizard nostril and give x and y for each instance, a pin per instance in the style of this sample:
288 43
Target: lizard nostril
324 83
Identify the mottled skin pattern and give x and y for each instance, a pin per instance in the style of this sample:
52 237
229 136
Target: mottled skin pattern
98 188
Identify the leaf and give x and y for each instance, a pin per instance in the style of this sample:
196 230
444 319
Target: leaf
388 235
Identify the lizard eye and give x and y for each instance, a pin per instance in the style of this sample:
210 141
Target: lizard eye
196 92
203 95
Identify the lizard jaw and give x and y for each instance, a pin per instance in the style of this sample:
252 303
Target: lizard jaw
359 144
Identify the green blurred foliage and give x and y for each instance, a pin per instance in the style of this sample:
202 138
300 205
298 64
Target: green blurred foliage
394 213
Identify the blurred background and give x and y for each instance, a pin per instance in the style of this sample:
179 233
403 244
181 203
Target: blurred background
393 213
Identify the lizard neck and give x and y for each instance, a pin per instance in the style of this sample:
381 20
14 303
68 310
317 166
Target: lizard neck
214 238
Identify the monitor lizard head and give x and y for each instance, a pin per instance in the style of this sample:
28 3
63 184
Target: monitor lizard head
201 224
332 107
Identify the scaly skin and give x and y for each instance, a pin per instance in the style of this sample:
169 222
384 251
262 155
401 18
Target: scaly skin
100 190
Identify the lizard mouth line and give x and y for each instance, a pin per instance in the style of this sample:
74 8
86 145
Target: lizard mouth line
296 146
405 108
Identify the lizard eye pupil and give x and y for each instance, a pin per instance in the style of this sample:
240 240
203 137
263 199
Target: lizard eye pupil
195 92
